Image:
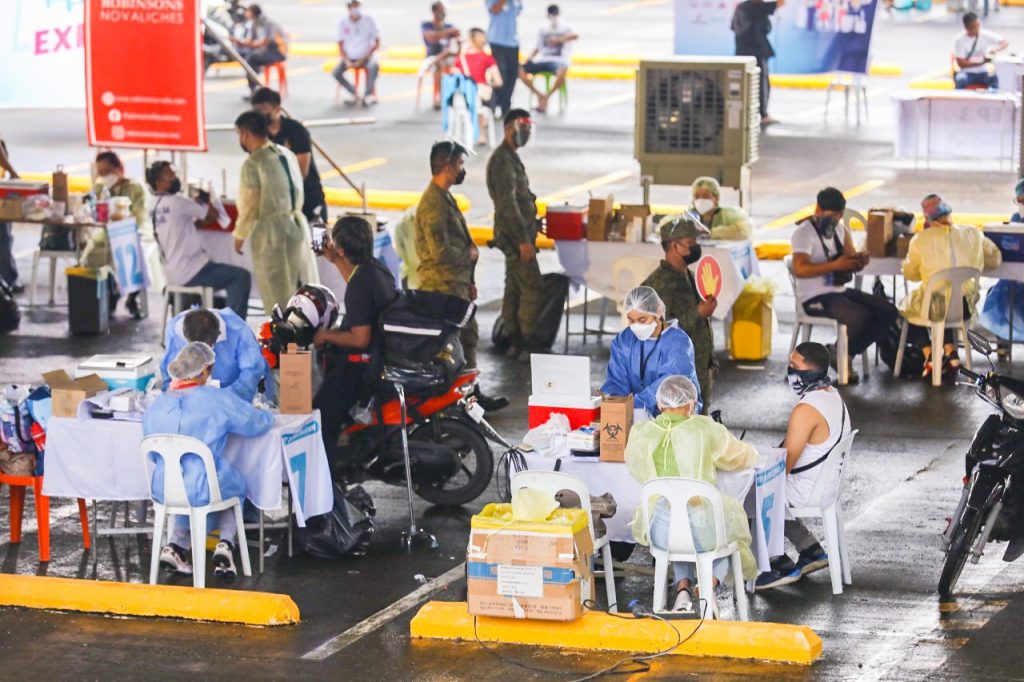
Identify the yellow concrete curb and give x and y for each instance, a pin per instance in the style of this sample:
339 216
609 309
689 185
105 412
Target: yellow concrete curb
76 183
777 642
409 67
419 53
131 599
383 199
809 81
886 69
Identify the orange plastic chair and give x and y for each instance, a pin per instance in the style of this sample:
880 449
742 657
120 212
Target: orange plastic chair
358 78
18 484
282 77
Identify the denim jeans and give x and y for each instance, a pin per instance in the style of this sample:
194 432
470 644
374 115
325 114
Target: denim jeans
372 69
234 280
681 569
962 79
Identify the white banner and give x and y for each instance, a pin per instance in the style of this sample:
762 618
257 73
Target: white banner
42 50
126 249
308 472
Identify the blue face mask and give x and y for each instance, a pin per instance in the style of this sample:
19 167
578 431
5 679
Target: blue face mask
804 380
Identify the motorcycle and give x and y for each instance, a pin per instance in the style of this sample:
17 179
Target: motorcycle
991 506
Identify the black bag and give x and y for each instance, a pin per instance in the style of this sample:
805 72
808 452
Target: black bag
556 290
344 531
10 314
913 354
57 238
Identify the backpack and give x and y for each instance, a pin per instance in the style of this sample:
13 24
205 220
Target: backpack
10 314
913 354
15 421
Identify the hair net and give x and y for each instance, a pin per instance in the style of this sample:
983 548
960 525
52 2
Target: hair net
191 361
706 182
675 391
644 300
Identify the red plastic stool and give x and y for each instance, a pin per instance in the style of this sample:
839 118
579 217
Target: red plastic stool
18 484
282 77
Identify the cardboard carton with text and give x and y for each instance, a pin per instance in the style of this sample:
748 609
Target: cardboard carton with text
616 421
68 393
296 381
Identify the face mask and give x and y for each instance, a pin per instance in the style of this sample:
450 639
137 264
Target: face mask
643 331
460 177
522 136
826 226
703 205
803 380
355 13
693 256
108 180
175 186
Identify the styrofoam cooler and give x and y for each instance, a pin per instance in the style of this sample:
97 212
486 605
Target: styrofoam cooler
120 371
581 411
1009 237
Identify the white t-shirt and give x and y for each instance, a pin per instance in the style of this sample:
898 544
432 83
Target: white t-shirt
174 221
357 37
805 240
554 52
965 47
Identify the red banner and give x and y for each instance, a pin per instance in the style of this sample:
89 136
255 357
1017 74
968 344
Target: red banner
144 74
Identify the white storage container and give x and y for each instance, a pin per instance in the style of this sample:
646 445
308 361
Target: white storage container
120 371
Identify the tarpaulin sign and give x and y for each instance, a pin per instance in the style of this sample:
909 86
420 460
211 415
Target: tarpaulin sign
144 74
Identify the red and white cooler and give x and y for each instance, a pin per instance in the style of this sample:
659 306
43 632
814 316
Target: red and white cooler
561 385
566 223
13 189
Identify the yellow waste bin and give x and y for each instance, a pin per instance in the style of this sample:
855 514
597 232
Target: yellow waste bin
751 332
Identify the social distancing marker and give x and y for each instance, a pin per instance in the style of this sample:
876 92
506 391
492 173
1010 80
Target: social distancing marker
133 599
777 642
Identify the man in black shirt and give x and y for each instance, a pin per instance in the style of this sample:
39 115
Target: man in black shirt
751 23
290 133
371 289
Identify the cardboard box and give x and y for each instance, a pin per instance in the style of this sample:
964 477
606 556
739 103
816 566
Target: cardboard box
637 222
538 570
296 381
879 229
902 245
59 183
12 208
616 421
68 393
599 218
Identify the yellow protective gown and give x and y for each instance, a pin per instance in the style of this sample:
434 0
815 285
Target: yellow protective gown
730 223
270 218
692 447
940 247
97 249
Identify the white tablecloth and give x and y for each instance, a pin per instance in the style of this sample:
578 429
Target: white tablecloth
593 264
891 266
100 459
956 125
766 504
1009 69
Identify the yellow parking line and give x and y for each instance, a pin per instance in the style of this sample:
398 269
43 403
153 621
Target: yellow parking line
568 192
354 167
610 101
620 9
790 218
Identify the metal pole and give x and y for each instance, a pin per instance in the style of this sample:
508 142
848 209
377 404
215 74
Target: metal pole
255 78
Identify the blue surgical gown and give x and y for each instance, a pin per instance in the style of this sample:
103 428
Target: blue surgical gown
669 354
207 414
239 364
995 313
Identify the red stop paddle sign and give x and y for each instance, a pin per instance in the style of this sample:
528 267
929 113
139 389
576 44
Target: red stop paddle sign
708 276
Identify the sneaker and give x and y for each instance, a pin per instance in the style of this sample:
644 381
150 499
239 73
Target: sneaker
776 578
684 601
224 560
812 559
370 101
352 101
176 559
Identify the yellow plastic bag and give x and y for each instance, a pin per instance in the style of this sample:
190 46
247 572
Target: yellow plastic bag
751 333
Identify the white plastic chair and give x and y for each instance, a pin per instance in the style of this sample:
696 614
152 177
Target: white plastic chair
460 122
846 82
552 482
629 272
172 448
53 257
824 504
956 278
805 322
174 305
678 492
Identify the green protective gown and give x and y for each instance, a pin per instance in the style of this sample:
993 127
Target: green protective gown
97 249
730 223
270 218
692 447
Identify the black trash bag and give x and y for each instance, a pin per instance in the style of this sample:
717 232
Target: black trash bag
549 320
346 530
913 355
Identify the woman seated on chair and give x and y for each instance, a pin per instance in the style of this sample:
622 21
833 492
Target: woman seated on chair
191 408
680 442
648 350
941 246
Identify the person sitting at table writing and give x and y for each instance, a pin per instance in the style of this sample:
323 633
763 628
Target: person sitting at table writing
725 222
816 425
943 245
647 351
239 365
192 408
679 442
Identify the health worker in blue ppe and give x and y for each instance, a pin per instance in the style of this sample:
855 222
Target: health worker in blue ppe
995 314
648 350
239 365
192 408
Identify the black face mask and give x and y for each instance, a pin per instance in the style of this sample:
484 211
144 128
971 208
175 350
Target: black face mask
693 256
826 226
803 380
522 136
460 177
175 186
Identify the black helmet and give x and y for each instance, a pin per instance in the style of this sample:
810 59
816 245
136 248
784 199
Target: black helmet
311 308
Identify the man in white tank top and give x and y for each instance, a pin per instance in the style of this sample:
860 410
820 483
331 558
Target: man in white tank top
816 425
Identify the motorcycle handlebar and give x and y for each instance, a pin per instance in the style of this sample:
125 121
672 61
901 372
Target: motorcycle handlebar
973 376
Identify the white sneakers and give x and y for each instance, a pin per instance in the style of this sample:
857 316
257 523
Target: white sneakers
178 560
684 601
175 559
224 560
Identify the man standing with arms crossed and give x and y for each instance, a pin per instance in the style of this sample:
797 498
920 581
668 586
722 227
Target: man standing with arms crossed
515 232
445 248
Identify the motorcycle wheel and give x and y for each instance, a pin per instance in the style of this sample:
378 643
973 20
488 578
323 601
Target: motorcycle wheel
476 465
959 550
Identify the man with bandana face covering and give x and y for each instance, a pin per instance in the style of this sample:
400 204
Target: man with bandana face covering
675 285
824 261
445 248
818 422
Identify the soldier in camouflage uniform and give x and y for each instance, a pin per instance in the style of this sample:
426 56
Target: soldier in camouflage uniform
445 248
676 286
515 231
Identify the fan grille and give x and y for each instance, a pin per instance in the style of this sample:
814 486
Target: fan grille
684 112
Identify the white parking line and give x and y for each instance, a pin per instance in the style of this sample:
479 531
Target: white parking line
385 616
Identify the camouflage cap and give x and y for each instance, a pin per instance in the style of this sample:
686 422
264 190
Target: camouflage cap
682 226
